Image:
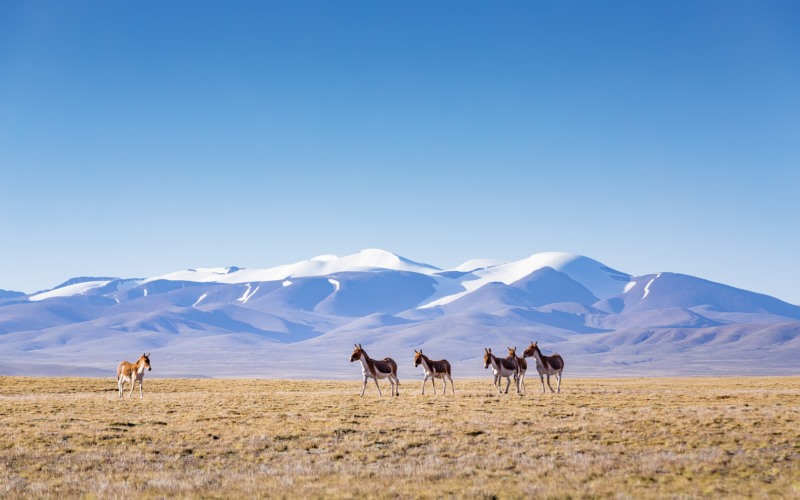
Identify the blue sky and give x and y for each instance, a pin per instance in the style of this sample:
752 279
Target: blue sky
141 138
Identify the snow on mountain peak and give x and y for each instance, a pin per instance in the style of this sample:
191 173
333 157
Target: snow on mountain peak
602 281
321 265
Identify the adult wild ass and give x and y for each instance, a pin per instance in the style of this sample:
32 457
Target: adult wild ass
501 367
521 363
434 369
546 365
131 372
374 369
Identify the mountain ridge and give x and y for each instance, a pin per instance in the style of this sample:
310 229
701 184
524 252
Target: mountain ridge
602 320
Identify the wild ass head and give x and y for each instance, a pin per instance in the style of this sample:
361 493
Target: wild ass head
530 350
417 357
512 352
487 357
357 353
146 360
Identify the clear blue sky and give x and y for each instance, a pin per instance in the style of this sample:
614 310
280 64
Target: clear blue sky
139 138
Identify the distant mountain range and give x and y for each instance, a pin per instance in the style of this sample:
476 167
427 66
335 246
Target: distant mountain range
301 320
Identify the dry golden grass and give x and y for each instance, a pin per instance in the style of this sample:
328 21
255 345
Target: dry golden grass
706 437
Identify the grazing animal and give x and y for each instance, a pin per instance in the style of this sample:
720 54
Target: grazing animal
501 367
434 369
523 366
546 365
131 372
374 369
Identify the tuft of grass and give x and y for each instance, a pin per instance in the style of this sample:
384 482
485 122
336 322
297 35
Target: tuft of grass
242 438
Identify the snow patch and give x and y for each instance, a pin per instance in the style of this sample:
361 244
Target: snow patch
247 294
475 264
629 286
335 283
200 299
647 286
286 283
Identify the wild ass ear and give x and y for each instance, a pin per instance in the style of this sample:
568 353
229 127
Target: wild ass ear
415 350
148 354
359 346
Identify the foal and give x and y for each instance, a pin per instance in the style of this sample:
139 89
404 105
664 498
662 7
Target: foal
521 363
546 365
374 369
502 368
434 369
131 372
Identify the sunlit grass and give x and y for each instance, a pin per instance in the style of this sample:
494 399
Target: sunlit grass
617 437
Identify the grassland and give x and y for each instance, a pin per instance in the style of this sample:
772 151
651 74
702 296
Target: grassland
703 437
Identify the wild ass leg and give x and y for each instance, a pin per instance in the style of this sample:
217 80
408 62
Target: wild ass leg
541 377
365 386
397 386
141 381
133 386
120 385
453 389
423 384
558 376
508 383
522 382
548 383
378 386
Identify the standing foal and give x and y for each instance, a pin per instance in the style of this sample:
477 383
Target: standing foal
131 372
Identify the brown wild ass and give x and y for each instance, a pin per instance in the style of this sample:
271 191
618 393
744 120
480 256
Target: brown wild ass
434 369
523 366
374 369
546 365
131 372
501 367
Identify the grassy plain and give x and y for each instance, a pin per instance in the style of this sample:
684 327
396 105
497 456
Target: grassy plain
700 437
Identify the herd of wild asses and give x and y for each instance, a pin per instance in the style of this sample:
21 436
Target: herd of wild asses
512 366
508 367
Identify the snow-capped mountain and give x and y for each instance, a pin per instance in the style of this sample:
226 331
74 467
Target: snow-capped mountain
260 322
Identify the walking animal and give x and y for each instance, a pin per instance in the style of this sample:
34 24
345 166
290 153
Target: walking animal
374 369
434 369
501 367
521 363
131 372
546 365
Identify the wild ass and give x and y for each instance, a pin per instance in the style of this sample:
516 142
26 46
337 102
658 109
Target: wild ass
374 369
502 368
131 372
549 365
434 369
521 363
